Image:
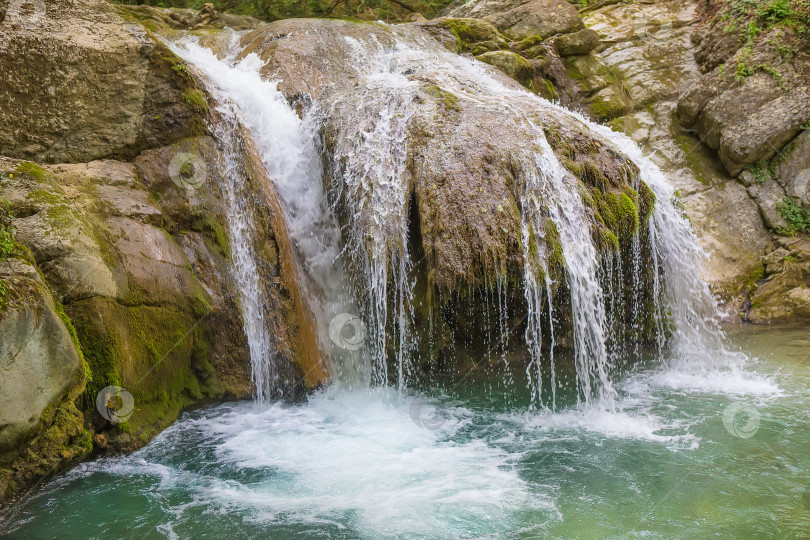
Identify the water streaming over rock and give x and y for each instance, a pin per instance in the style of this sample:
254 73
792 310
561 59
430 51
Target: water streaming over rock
363 137
286 145
242 234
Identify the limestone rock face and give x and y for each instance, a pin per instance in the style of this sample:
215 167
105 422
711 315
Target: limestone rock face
648 50
792 168
659 74
520 18
752 100
56 62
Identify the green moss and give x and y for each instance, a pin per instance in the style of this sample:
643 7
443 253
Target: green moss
547 90
606 109
3 295
216 230
30 170
608 239
60 310
154 352
627 219
753 277
646 202
554 250
7 242
196 100
44 197
607 205
448 99
60 216
101 346
697 163
469 32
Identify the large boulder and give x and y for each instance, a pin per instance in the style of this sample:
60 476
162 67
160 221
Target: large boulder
38 358
464 147
43 374
58 59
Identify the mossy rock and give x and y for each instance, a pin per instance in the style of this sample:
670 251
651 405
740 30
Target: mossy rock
469 32
510 63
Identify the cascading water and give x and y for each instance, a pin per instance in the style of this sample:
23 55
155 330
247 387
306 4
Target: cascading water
242 235
367 156
370 464
287 150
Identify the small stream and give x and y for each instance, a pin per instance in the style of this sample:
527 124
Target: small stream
685 454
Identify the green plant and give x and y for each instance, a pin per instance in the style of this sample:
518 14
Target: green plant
3 294
775 11
743 71
761 170
6 230
796 217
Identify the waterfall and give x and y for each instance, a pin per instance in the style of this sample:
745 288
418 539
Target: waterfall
360 140
286 146
242 235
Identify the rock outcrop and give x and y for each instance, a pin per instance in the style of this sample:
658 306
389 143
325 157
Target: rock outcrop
520 19
120 272
712 94
454 185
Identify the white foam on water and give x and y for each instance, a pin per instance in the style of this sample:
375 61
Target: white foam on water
734 382
356 458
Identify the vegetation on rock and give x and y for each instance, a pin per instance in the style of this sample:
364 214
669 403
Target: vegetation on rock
796 217
271 10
